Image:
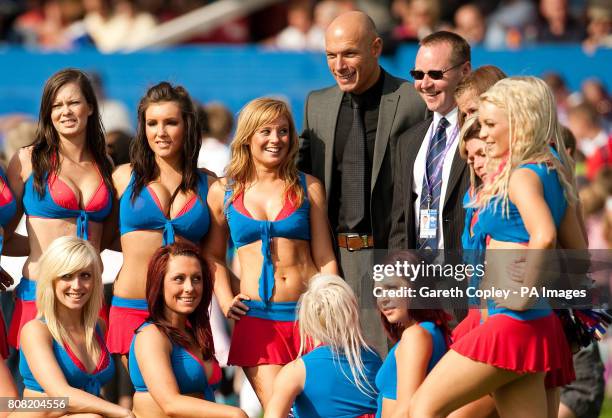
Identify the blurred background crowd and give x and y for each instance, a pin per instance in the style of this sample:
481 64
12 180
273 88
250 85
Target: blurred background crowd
113 25
109 26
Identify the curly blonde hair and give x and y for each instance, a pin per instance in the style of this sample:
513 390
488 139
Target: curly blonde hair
533 128
241 169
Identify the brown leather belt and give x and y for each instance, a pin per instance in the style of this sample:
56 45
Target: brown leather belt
355 242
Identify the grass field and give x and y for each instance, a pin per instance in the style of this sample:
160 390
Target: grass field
606 411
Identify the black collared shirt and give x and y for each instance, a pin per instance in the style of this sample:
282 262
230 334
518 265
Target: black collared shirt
369 102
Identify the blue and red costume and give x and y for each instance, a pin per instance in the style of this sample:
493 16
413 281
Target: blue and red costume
74 371
386 378
268 333
528 341
473 243
8 207
145 212
188 369
57 202
330 390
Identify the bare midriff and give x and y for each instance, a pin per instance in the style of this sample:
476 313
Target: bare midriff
43 231
293 267
138 247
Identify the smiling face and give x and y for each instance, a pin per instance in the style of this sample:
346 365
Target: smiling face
183 285
70 111
439 94
73 290
494 129
270 143
165 128
352 57
476 156
394 309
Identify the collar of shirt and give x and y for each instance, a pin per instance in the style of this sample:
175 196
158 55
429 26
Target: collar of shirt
371 97
451 117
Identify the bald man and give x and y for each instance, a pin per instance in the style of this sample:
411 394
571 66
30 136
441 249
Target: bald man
348 142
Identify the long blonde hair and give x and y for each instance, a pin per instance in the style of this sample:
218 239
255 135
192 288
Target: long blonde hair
241 170
67 255
532 128
328 312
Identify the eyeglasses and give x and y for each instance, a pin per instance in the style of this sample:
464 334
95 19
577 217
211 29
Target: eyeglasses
433 74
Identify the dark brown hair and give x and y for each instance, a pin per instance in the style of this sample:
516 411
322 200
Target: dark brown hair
142 157
45 150
199 319
437 316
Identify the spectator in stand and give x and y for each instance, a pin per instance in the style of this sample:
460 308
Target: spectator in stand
470 24
98 15
507 23
594 92
49 24
556 24
324 12
18 137
128 26
585 124
418 18
301 34
599 28
214 153
561 93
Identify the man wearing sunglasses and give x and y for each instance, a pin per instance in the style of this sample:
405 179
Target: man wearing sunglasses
431 177
348 142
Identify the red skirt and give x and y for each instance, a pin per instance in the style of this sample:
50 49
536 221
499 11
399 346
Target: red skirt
25 311
4 348
258 341
471 321
123 321
530 346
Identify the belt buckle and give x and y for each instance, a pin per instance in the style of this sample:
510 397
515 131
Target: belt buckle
348 245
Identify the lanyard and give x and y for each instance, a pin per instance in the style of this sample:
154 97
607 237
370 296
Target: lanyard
440 164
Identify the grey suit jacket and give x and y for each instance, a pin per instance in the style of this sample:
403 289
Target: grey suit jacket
403 230
400 108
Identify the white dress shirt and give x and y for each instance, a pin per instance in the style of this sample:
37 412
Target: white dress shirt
452 134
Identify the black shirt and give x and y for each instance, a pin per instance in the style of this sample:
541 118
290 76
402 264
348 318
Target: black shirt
369 102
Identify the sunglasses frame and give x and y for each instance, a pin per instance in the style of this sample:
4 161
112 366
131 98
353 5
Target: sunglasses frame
433 74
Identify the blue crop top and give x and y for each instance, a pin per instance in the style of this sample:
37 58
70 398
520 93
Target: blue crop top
74 371
245 230
145 213
512 229
473 242
329 388
60 202
386 379
188 371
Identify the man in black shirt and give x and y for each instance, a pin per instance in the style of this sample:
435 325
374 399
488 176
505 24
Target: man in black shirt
348 142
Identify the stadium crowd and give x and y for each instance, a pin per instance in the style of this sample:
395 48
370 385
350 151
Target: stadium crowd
246 228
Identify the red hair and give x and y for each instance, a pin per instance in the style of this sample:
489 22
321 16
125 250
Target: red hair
199 319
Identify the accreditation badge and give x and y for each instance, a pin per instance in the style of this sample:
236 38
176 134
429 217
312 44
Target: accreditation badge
428 223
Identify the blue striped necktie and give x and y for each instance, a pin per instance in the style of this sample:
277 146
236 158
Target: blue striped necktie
435 153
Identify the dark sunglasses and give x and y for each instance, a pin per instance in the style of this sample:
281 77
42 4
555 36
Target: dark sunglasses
433 74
